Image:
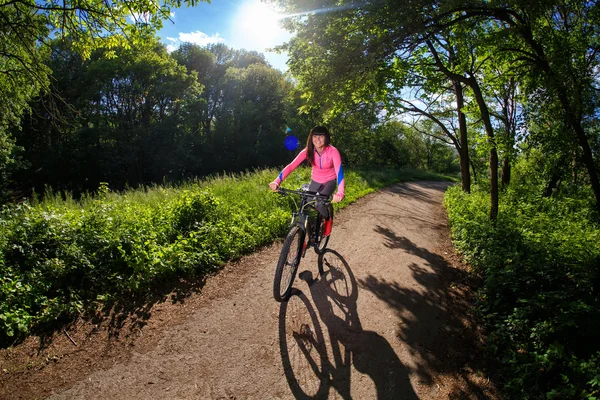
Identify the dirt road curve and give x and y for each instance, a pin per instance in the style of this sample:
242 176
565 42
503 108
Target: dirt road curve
387 320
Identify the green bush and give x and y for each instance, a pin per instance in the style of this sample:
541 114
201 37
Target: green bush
57 261
541 266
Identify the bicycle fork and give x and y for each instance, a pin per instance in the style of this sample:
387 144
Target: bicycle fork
303 221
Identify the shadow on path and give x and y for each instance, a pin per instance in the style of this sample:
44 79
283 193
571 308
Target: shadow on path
314 364
414 209
434 316
125 315
407 190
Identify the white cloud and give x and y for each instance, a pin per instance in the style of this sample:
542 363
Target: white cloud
200 38
197 37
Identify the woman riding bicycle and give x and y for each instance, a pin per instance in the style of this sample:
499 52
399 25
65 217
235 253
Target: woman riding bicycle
326 172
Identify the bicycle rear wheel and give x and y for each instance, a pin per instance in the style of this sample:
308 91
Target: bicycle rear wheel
288 264
323 240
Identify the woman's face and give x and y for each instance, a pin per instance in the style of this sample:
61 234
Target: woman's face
318 141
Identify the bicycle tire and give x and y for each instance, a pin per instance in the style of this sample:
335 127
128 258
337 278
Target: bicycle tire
323 240
287 266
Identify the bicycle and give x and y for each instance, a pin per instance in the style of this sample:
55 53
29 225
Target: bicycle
306 230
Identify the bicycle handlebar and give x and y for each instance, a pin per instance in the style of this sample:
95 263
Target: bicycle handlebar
303 193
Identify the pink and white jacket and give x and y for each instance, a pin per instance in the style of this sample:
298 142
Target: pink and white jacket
327 166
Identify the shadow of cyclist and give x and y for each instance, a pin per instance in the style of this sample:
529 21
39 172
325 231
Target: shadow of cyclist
334 295
302 346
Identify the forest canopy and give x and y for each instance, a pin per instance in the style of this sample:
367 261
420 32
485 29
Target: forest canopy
523 74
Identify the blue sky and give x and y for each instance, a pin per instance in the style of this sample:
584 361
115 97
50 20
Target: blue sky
240 24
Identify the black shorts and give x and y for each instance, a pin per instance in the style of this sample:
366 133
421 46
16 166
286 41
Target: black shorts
326 189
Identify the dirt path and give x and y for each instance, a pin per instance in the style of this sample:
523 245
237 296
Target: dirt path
387 320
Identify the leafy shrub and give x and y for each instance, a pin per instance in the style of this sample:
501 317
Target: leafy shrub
541 266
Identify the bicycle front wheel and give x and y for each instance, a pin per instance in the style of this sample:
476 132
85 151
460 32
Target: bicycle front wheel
288 263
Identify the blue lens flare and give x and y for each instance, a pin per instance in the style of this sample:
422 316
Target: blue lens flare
291 142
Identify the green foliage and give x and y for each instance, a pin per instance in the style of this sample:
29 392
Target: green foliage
60 257
541 266
22 72
9 162
392 144
144 116
29 28
527 68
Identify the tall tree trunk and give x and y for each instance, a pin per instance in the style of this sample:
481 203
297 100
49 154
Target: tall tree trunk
505 172
471 81
489 130
474 171
463 150
508 116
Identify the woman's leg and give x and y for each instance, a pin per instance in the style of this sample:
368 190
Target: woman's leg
325 189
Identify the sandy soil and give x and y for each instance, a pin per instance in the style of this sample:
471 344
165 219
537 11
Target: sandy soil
389 319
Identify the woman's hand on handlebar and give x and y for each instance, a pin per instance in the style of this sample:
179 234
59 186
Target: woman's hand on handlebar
337 198
274 186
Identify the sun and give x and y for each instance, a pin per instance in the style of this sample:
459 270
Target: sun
257 26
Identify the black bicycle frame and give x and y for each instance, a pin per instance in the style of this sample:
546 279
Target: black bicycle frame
301 216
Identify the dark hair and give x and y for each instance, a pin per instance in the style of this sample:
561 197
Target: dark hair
310 147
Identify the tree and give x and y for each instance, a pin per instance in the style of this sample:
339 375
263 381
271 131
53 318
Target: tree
348 50
211 64
444 100
557 44
27 30
360 54
250 124
121 125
